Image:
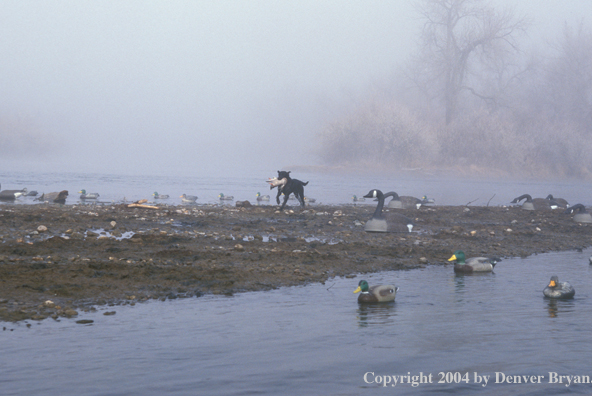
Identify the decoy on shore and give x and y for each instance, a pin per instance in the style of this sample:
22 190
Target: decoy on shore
160 196
581 216
402 202
358 199
225 197
85 195
473 264
535 203
556 289
11 195
389 222
31 194
188 198
262 197
559 201
54 197
375 294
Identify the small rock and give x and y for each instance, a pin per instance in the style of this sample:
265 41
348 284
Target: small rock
42 228
84 321
473 233
239 247
70 312
423 260
113 224
109 313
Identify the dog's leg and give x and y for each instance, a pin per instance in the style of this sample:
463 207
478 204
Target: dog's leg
285 201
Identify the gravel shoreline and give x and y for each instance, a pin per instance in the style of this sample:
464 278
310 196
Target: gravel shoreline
58 260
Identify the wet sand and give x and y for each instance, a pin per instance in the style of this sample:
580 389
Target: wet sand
58 260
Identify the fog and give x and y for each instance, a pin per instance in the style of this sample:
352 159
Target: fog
199 87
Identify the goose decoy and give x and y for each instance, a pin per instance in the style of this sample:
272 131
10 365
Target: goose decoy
31 194
556 289
358 199
85 195
160 196
54 197
225 197
188 198
375 294
581 216
11 195
391 222
473 264
262 197
535 203
404 202
310 200
560 201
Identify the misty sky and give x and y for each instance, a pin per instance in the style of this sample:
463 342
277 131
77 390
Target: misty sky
198 87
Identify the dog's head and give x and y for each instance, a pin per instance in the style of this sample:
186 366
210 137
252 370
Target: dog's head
284 175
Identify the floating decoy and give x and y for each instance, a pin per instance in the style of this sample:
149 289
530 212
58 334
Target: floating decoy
404 202
85 195
310 200
160 196
557 289
54 197
473 264
262 197
31 194
225 197
11 195
358 199
560 201
188 198
375 294
535 203
391 222
581 216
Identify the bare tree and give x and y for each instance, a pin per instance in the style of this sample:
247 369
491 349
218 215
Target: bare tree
457 36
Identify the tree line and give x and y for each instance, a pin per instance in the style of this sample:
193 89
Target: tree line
473 100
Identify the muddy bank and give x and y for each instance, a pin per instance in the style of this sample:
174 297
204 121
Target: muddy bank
82 256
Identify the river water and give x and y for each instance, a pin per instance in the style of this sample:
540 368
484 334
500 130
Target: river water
316 339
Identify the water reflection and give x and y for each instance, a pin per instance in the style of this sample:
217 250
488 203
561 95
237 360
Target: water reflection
376 314
555 306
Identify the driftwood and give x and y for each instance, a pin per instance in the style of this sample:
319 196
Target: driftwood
140 204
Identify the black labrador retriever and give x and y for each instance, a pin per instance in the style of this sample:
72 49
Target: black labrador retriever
292 186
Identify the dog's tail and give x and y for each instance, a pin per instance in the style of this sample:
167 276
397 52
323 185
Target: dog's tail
304 184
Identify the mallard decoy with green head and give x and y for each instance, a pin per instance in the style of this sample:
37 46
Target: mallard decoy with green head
375 294
473 264
160 196
85 195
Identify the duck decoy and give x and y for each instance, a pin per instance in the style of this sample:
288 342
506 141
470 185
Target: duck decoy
358 199
581 216
188 198
535 203
426 201
225 197
391 222
11 195
310 200
375 294
54 197
473 264
262 197
556 289
160 196
31 194
85 195
560 201
402 202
